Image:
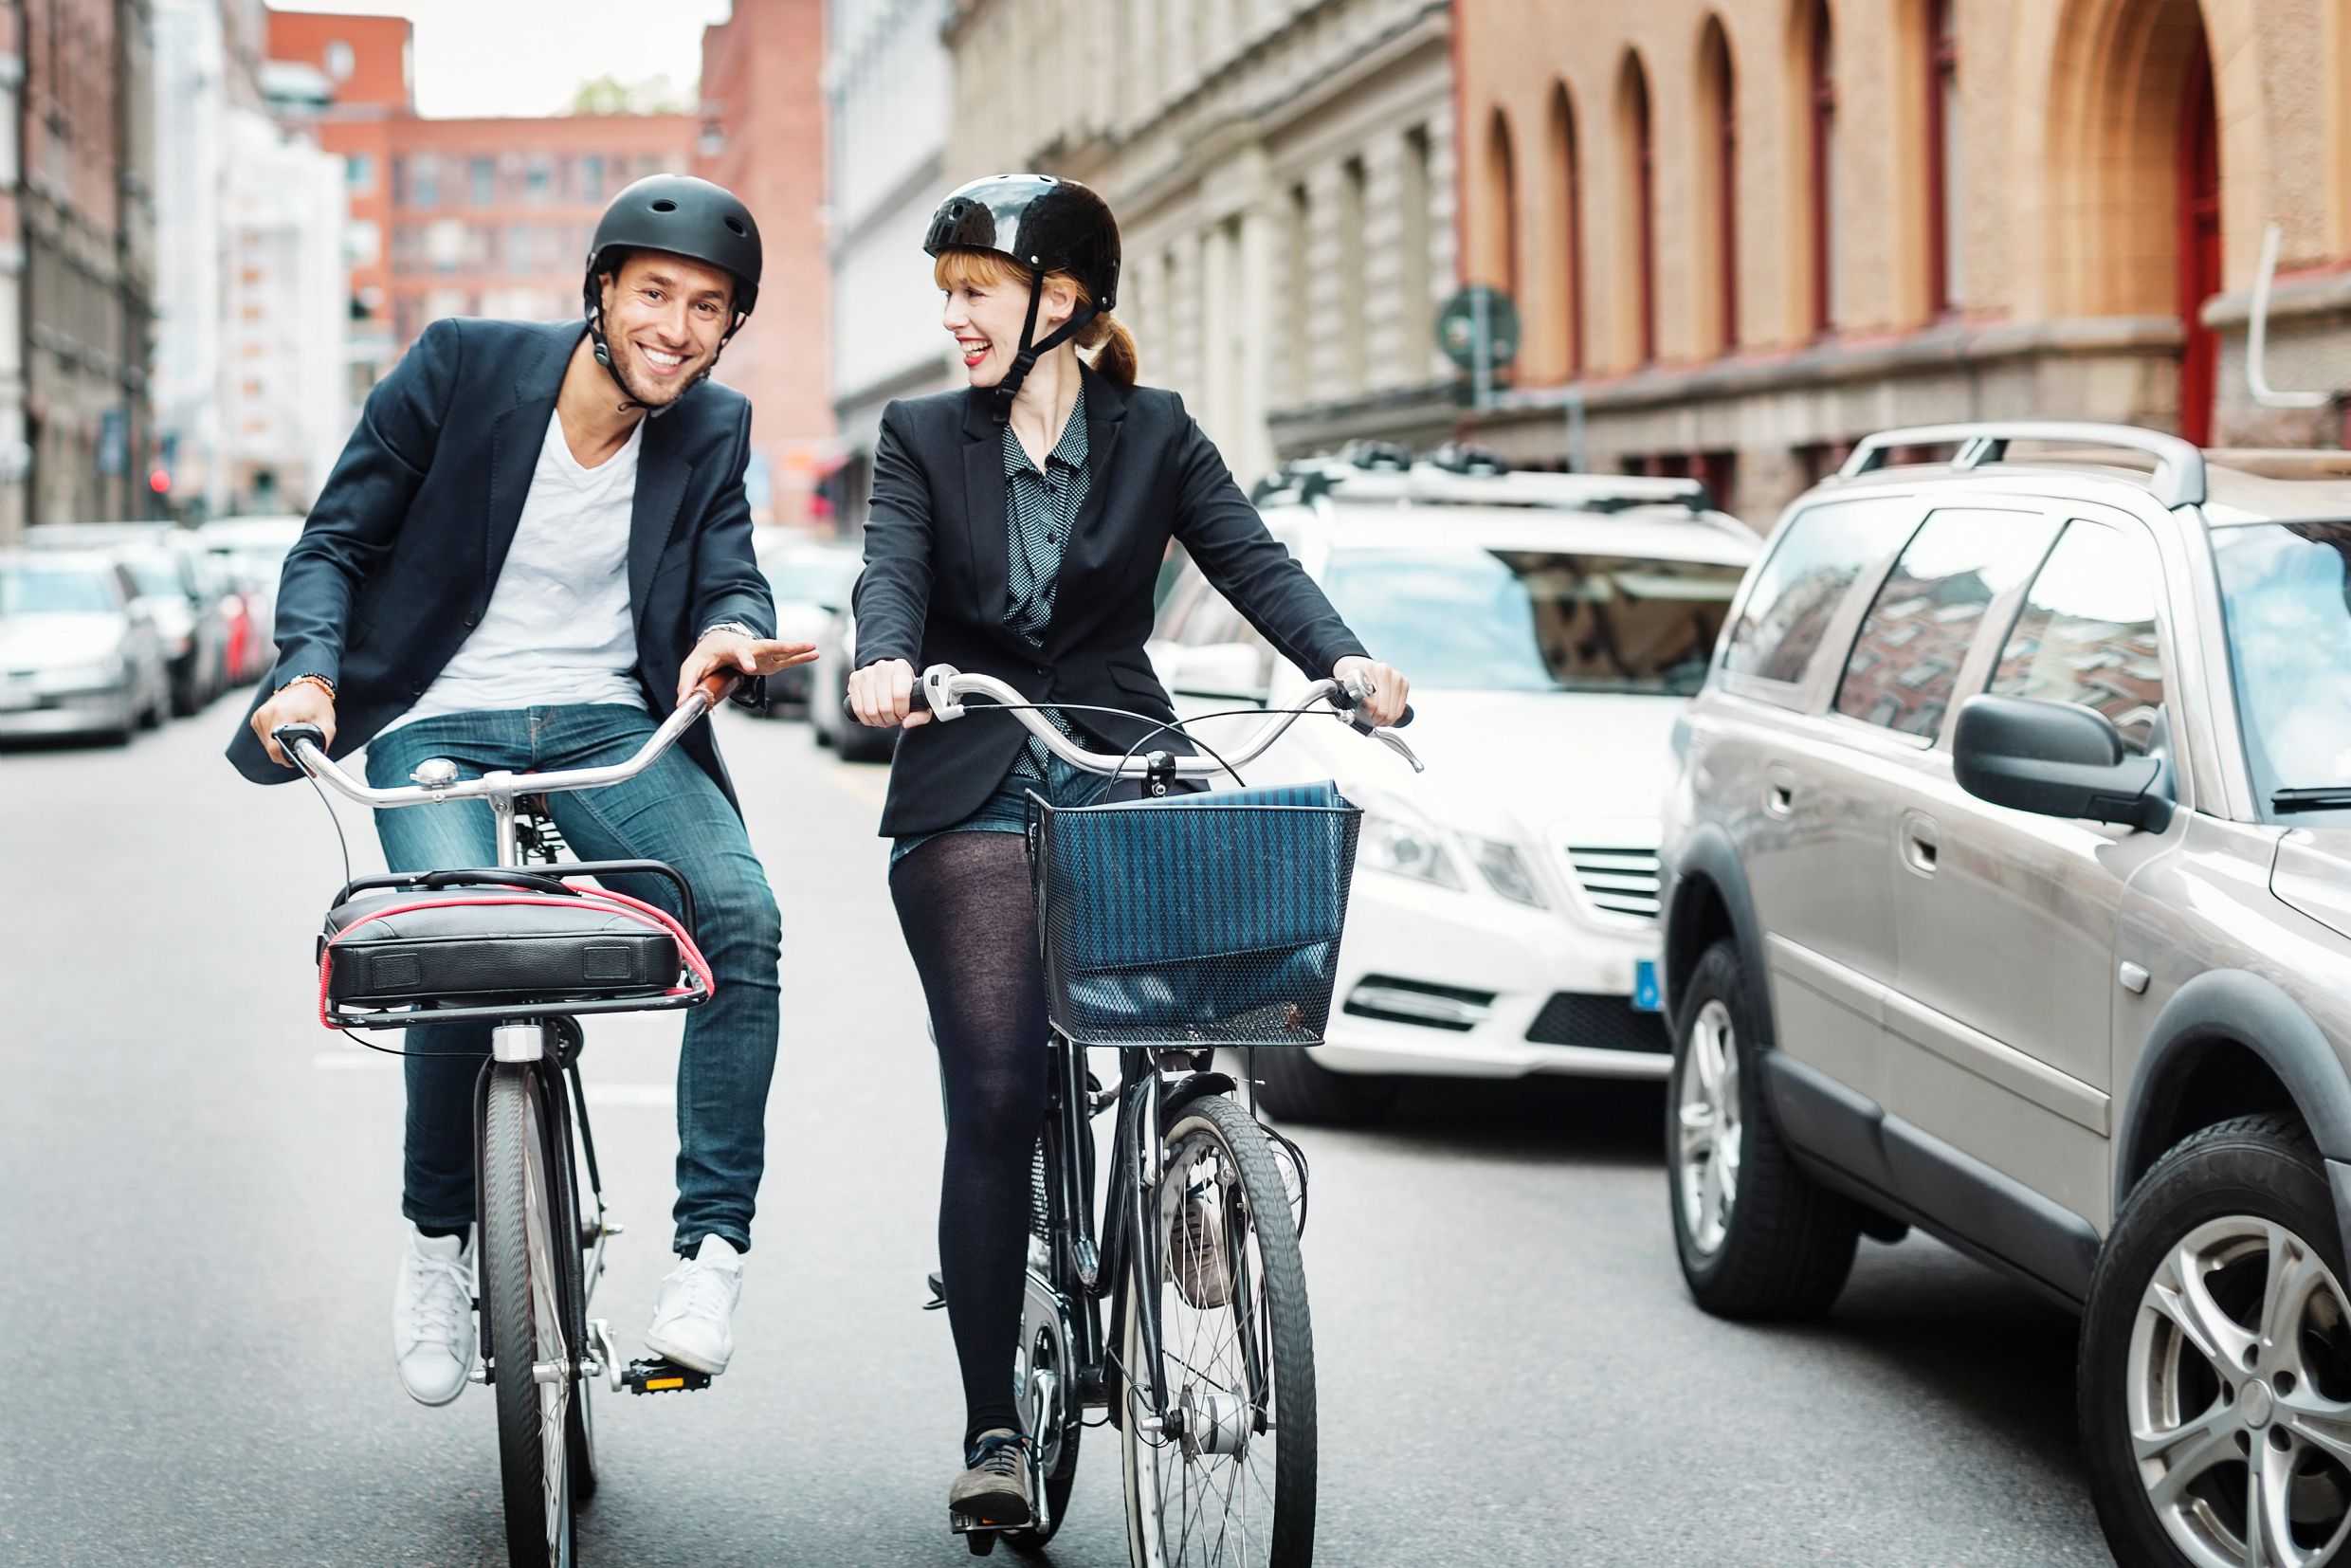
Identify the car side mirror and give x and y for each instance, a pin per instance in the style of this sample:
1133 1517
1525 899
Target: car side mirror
2056 760
1217 669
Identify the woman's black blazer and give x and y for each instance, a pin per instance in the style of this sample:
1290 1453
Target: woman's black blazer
937 582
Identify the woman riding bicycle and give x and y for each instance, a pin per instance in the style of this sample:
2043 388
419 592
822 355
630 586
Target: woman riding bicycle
1017 529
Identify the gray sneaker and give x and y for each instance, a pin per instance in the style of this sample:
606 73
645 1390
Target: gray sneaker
993 1488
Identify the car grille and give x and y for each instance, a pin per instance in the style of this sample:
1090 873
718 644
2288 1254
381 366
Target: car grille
1604 1023
1622 880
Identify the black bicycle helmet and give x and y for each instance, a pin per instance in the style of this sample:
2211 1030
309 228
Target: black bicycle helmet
1045 224
685 217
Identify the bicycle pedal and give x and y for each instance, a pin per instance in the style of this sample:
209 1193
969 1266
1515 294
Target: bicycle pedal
662 1377
939 1294
979 1534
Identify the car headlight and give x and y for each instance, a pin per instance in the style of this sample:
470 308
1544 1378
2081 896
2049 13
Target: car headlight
1405 848
1506 872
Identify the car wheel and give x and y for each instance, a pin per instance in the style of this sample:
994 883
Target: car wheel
2215 1381
1757 1237
1296 1088
824 736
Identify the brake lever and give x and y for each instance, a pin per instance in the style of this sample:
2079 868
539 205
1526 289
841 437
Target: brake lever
1394 743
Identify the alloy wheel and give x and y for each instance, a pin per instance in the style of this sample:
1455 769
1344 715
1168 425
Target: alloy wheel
1706 1129
2239 1381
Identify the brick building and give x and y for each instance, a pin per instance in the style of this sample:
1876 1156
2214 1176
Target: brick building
1743 233
77 235
762 136
1283 171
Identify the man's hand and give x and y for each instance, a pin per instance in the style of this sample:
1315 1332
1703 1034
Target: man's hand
303 702
731 652
1384 688
881 694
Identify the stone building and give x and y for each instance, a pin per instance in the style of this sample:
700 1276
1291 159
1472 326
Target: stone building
1283 171
888 106
1743 233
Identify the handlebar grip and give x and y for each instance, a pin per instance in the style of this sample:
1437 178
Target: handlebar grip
289 736
715 685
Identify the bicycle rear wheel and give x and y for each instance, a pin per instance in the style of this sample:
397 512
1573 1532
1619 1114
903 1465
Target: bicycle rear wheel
1229 1476
528 1233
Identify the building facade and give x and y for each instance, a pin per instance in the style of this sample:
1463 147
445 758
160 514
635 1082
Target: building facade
1742 234
889 103
77 263
762 136
1283 171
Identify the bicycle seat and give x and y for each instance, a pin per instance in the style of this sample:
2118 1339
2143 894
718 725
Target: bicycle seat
472 943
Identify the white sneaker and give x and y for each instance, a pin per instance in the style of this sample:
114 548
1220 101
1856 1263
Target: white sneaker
692 1315
432 1326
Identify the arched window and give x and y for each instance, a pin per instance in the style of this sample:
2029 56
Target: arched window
1500 260
1942 182
1640 187
1718 220
1566 238
1816 50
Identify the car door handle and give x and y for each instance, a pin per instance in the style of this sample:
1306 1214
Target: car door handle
1921 843
1778 792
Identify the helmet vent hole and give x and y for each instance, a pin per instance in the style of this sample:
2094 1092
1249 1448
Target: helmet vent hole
664 205
735 225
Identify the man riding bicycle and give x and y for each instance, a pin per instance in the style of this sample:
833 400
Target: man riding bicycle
537 538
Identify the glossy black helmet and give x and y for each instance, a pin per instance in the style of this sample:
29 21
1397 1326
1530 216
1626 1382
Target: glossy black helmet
1046 225
686 217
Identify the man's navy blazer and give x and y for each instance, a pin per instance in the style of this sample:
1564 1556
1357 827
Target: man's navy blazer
396 561
936 584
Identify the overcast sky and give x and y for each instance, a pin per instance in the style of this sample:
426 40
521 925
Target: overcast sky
528 57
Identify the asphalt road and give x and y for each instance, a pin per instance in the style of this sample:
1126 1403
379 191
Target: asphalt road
198 1206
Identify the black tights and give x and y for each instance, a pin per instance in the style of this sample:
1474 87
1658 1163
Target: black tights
963 902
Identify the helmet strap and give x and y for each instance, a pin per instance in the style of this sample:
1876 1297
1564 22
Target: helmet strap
1001 396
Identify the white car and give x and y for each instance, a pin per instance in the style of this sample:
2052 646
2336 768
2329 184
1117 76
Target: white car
1502 919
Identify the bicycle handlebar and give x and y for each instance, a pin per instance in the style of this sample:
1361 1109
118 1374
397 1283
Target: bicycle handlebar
306 744
941 689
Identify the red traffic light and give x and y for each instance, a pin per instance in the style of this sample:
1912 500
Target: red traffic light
161 482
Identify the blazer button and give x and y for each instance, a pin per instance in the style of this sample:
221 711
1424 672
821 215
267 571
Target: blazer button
472 619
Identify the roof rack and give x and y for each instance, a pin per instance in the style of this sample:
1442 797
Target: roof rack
2178 465
1468 476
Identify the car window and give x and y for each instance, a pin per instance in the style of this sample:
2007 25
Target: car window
52 590
2087 632
1820 555
1905 660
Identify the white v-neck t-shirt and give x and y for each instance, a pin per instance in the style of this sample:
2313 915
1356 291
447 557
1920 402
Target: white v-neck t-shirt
557 628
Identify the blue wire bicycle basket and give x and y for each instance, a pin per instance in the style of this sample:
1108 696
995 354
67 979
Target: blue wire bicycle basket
1193 920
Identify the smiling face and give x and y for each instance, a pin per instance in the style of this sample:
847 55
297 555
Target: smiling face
987 299
666 319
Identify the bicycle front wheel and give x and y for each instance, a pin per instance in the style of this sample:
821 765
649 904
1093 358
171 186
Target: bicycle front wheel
527 1232
1227 1476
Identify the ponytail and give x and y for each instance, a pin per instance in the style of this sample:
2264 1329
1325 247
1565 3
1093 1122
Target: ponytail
1113 346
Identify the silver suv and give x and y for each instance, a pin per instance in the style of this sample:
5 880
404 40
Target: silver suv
2008 894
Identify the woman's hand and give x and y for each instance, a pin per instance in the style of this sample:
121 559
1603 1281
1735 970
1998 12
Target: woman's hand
881 694
1384 688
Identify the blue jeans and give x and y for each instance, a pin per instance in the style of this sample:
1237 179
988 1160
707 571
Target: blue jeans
671 812
1006 810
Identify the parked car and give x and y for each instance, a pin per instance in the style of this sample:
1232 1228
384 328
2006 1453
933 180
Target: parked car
251 550
78 655
836 653
1502 919
2009 896
810 580
178 586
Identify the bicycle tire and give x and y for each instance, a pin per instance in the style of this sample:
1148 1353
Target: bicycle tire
525 1233
579 1430
1270 1402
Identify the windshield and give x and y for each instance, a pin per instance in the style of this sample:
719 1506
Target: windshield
53 589
1527 620
156 572
818 577
2285 593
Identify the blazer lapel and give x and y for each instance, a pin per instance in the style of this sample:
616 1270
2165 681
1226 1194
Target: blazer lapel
1105 415
662 474
983 505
